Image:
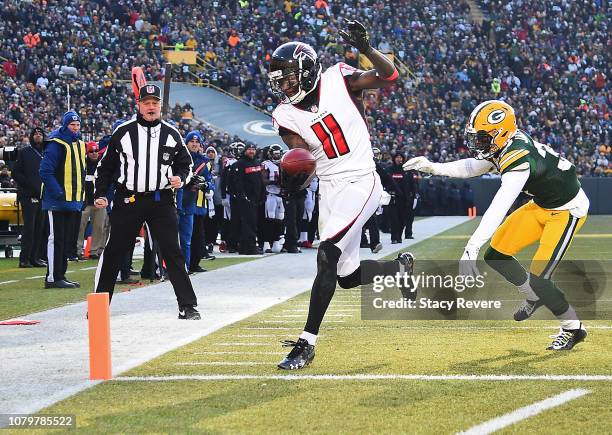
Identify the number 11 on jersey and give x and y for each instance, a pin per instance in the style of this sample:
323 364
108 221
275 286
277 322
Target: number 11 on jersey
331 136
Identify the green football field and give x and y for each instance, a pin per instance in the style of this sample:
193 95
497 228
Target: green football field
370 376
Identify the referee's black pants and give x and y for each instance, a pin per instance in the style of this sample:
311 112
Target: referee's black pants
126 219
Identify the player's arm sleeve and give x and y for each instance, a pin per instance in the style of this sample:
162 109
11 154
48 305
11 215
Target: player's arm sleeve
238 169
106 172
223 181
48 165
515 160
464 168
512 185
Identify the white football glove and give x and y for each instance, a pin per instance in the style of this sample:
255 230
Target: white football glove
419 164
209 195
467 263
225 202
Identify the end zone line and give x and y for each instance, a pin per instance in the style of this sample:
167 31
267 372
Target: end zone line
238 353
525 412
426 328
366 377
223 363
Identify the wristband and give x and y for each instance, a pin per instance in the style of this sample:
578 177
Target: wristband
392 77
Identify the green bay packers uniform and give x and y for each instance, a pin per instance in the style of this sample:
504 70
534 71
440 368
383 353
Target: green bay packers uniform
557 211
551 217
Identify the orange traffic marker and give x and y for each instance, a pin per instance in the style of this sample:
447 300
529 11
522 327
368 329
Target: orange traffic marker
87 247
470 211
474 211
99 336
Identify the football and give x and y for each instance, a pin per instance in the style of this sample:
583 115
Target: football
298 161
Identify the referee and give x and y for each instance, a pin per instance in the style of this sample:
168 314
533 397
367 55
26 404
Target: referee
151 159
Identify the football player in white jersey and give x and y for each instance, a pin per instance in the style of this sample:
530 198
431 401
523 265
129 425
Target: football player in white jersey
274 208
323 113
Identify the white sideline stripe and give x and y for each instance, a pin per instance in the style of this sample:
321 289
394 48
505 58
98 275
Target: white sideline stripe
301 316
329 311
223 363
36 277
523 413
8 282
433 328
237 352
241 344
604 378
298 321
257 335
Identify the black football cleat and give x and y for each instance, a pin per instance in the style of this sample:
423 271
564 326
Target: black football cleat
376 249
59 284
526 309
406 262
188 312
197 269
406 266
300 356
74 283
567 339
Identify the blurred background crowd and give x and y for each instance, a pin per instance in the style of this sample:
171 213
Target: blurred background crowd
550 60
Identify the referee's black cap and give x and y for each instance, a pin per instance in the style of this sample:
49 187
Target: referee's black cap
150 91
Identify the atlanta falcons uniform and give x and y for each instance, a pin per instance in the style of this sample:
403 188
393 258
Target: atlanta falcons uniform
338 137
274 202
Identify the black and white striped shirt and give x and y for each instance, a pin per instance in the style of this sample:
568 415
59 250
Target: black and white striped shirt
140 157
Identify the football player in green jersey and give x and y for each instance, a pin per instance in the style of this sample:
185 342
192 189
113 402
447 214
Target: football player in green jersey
557 211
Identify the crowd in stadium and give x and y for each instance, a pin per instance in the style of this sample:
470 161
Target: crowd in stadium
550 60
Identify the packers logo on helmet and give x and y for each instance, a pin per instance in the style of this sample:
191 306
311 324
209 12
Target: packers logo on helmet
491 126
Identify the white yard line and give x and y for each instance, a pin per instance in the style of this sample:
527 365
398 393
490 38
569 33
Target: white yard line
298 321
525 412
328 311
89 268
45 363
241 344
302 316
36 277
429 328
237 352
224 363
9 282
372 377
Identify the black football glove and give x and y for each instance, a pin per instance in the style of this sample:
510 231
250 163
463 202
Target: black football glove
357 36
196 182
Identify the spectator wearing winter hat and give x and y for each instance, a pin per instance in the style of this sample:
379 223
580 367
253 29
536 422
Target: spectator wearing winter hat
97 216
187 195
205 209
29 186
62 171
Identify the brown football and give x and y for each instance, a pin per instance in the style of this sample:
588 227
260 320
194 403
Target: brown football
298 161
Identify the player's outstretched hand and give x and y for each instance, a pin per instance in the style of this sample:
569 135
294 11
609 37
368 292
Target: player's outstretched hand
356 35
419 164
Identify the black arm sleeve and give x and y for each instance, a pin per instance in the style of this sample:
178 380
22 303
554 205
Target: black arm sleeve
238 179
223 181
386 180
108 168
18 173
